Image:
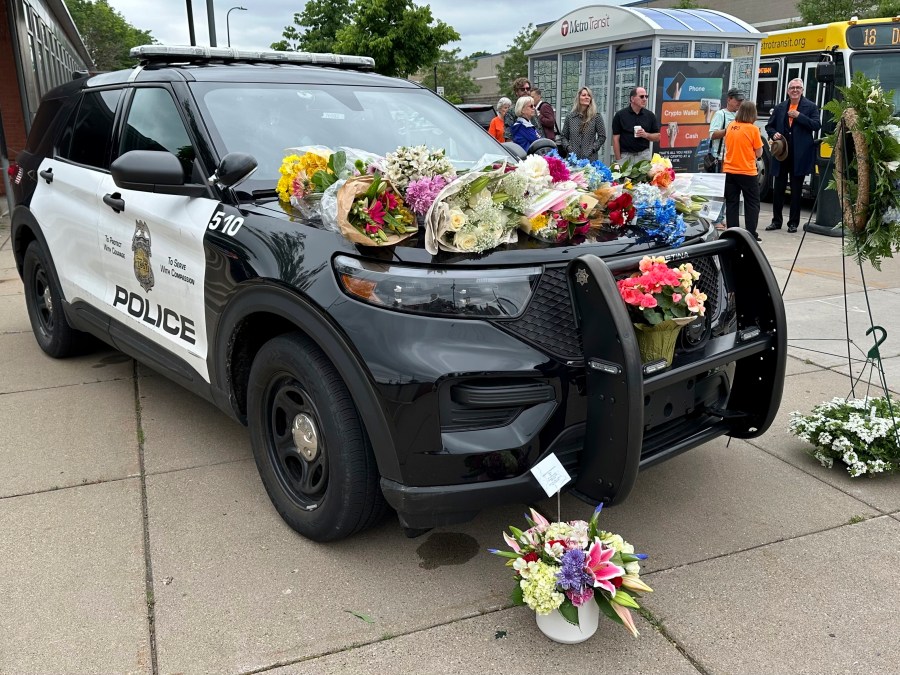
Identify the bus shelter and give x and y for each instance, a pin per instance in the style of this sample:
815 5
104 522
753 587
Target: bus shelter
686 59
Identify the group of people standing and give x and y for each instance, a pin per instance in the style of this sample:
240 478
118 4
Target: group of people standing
634 127
735 141
531 118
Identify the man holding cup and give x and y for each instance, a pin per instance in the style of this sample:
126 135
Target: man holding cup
634 128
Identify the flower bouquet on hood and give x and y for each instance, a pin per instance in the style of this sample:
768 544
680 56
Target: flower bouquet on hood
572 569
468 214
371 213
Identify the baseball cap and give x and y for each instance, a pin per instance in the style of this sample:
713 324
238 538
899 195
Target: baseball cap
734 92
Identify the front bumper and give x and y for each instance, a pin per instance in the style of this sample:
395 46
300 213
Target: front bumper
732 385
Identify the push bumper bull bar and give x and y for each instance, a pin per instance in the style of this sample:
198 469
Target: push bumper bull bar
617 383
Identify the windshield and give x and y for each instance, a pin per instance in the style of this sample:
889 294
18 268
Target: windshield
265 119
882 66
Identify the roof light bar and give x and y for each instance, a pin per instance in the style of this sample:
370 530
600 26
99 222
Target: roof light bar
176 53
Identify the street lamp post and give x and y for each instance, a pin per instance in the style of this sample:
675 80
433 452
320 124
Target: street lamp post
228 25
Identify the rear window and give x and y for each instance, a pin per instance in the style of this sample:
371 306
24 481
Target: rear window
483 117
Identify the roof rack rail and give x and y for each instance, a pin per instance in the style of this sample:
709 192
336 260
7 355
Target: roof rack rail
182 53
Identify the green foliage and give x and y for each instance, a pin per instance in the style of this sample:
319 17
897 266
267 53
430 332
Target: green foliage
106 34
475 55
401 36
880 238
452 75
320 21
826 11
515 64
687 4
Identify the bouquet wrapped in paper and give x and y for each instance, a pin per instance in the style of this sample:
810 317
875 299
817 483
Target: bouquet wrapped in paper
558 215
468 214
371 212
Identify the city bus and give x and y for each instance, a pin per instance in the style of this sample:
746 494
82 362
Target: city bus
868 45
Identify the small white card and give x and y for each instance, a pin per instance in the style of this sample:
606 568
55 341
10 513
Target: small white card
551 474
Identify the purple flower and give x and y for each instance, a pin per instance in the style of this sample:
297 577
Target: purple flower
420 194
571 576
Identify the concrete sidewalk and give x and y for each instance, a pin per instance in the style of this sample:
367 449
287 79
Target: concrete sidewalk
136 536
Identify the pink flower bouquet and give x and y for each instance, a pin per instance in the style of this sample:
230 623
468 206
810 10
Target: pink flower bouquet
563 565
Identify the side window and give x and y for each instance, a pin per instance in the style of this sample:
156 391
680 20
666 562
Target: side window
153 123
88 133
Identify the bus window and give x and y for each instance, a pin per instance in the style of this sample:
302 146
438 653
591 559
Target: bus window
766 97
884 67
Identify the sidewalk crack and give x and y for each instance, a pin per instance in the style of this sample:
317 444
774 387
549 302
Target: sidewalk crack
145 520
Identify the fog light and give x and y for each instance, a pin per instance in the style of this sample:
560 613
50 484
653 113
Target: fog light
605 366
748 334
655 366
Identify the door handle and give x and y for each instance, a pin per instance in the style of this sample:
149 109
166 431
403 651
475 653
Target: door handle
47 175
114 201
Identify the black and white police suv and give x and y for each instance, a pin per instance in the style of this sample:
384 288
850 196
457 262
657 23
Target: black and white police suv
367 376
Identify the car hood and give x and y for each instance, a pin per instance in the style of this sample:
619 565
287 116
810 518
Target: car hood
604 242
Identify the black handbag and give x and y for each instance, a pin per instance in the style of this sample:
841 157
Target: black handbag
562 143
711 163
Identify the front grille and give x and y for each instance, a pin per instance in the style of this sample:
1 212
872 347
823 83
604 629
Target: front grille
549 321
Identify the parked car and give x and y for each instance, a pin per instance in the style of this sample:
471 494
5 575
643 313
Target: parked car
146 215
483 113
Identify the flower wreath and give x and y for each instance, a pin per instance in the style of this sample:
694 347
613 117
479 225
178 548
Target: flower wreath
867 180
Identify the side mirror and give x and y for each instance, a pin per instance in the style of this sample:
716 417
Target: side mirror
234 168
515 150
825 72
542 146
153 171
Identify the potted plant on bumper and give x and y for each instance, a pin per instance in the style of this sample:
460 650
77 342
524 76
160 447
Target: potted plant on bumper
569 572
661 300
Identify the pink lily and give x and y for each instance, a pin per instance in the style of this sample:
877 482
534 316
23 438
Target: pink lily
539 520
597 563
634 583
626 617
512 543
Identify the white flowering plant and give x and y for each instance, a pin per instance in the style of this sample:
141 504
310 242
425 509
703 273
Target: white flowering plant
562 565
863 434
867 178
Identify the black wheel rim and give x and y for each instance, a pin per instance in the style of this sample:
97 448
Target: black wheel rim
302 473
42 298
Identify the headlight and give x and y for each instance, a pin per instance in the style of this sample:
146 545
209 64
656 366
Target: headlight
448 292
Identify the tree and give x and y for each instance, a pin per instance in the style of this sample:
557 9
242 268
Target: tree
452 75
321 20
516 63
687 4
106 34
401 36
475 55
825 11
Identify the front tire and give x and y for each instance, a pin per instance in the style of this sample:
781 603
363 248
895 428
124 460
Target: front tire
310 447
43 298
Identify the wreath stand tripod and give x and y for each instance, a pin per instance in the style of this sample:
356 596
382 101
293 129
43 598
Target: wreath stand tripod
855 217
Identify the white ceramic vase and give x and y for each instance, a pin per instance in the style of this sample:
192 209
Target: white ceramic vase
555 627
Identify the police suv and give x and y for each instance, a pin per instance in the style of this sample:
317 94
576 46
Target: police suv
146 215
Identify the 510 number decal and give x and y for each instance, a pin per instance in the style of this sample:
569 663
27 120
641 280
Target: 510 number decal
225 224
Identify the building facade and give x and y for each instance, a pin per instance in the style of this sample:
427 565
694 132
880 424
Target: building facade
40 48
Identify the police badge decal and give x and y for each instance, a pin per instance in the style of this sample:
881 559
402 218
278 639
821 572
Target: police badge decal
140 244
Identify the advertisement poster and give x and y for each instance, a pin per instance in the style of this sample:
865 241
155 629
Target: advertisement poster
688 94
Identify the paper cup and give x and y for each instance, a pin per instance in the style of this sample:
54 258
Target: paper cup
636 129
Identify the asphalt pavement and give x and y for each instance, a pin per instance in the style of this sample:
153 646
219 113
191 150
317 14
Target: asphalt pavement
136 537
